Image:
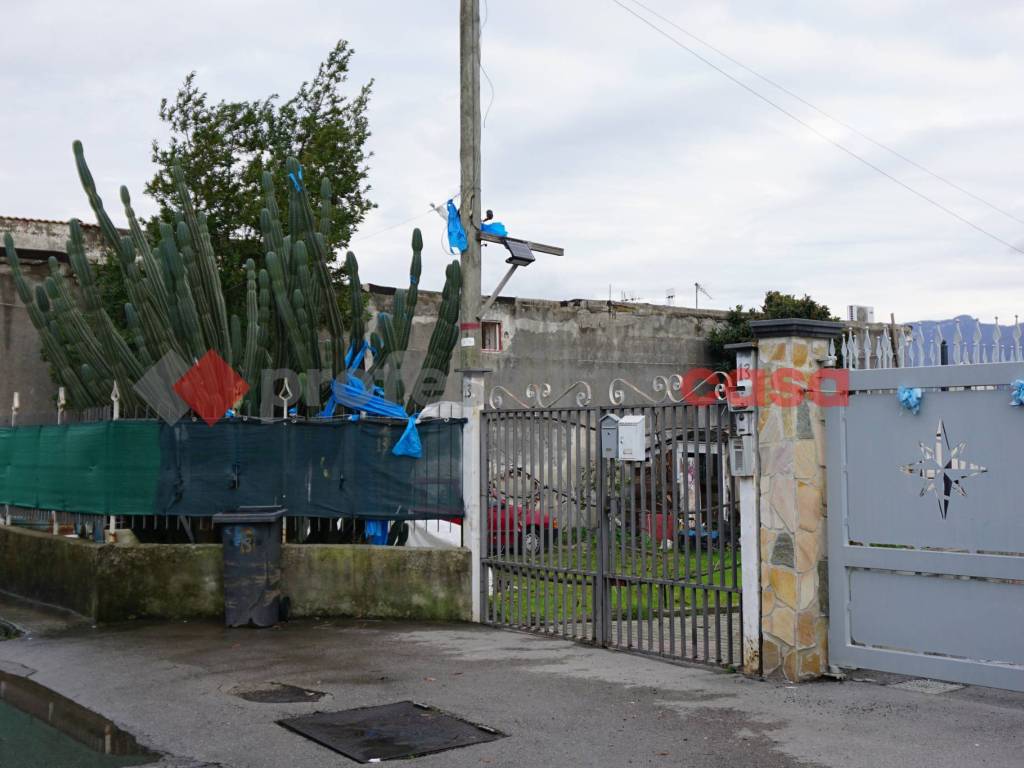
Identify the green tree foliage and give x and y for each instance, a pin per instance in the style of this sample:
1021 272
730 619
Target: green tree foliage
225 147
776 306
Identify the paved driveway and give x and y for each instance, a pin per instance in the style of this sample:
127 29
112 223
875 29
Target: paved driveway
561 704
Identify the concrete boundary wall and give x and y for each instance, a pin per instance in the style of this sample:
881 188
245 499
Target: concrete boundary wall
118 582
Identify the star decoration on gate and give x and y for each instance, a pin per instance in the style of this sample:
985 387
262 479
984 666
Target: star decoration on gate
943 469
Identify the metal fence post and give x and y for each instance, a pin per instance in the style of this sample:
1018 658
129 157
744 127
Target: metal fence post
115 399
602 607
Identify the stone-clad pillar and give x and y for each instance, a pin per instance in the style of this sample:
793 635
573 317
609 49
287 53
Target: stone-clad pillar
791 445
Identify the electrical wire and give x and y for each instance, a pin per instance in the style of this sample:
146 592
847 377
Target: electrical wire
490 103
393 226
834 119
838 145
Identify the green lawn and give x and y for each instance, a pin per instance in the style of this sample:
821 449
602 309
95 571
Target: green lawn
525 593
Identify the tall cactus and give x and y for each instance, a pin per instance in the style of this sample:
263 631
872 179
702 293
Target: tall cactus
355 303
396 328
292 316
433 375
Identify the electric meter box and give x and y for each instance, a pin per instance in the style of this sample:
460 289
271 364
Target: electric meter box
609 436
744 421
632 438
741 455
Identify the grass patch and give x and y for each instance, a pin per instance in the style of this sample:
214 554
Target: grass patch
558 585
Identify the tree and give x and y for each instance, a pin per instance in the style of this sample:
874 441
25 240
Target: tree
777 306
224 148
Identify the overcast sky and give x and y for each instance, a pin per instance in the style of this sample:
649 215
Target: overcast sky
651 169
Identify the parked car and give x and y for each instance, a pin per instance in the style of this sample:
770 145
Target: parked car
515 526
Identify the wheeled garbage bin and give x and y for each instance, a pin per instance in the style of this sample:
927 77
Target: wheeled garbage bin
251 538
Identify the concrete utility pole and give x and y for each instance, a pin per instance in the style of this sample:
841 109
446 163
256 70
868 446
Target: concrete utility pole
469 310
469 208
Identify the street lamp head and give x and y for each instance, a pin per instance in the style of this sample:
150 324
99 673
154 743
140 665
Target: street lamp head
521 255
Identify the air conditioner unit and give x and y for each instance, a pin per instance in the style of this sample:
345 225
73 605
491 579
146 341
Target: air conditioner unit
857 313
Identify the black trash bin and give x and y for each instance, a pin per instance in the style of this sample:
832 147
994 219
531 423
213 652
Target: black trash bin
252 565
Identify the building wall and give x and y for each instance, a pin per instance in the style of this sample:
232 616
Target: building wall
22 368
562 342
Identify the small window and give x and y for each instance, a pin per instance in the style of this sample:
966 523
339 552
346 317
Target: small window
491 333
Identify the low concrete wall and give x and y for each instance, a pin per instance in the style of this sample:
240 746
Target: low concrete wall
383 582
167 581
49 569
116 582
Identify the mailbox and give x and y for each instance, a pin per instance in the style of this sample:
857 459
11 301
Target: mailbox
632 439
609 436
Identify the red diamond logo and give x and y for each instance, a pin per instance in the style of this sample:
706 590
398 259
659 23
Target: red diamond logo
210 387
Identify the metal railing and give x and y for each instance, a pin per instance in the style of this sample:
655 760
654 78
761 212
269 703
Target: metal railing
900 347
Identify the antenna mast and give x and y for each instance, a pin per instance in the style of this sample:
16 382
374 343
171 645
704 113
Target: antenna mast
698 289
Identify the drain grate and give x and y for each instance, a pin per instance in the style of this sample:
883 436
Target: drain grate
389 732
277 693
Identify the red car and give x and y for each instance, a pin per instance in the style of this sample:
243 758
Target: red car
525 529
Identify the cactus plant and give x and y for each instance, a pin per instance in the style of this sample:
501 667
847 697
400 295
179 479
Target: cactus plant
292 316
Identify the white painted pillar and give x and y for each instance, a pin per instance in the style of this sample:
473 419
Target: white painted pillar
472 527
748 490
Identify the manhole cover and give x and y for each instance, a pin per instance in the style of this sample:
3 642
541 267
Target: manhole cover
277 693
922 685
393 731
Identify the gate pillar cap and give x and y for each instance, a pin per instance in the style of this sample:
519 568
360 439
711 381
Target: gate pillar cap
814 329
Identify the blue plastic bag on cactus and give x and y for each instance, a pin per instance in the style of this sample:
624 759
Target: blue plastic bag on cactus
353 394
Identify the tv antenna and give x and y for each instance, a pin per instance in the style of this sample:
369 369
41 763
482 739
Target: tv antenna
698 289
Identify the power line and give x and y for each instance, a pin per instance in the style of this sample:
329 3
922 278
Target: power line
490 102
819 134
393 226
834 119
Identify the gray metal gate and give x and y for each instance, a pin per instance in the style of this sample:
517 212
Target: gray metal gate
926 521
640 556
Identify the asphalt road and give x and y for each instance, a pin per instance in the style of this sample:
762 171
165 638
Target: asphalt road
174 686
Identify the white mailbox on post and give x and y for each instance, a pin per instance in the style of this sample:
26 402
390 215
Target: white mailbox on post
632 438
609 436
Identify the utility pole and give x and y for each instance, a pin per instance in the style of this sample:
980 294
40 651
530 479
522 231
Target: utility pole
469 207
473 494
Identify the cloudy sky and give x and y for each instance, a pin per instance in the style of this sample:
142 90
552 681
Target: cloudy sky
652 170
